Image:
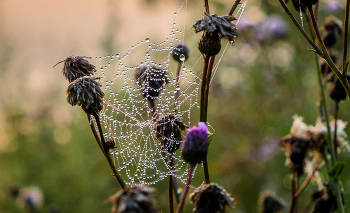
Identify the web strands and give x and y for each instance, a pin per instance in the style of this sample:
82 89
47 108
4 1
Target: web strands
140 115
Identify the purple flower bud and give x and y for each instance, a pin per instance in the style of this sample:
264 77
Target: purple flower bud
195 147
180 53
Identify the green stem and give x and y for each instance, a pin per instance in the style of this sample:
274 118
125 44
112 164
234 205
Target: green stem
105 149
345 43
326 56
336 108
189 178
294 199
206 6
234 6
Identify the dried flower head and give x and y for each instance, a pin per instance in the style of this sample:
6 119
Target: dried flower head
306 139
76 67
86 92
195 147
134 199
150 81
180 52
324 200
211 198
333 29
215 28
269 203
337 89
30 198
169 130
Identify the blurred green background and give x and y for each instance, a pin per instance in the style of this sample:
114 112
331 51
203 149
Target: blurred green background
264 79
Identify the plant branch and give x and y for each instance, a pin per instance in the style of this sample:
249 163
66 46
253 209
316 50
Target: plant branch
345 43
318 50
101 141
234 6
326 56
308 178
294 199
336 109
189 178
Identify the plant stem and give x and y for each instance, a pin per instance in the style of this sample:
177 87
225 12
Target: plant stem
206 6
93 129
336 109
318 50
308 178
171 202
101 141
234 6
326 56
189 178
179 68
345 43
294 199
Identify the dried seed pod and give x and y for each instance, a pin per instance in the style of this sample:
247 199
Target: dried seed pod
169 130
134 199
325 201
86 92
76 67
195 147
150 81
211 198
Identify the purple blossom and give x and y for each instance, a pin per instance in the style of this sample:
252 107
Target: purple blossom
195 147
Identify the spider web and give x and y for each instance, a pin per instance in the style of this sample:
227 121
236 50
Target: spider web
130 121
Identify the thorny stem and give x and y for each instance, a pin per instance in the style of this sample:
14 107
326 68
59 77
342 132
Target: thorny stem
345 43
308 178
234 6
326 56
171 202
189 178
294 199
101 141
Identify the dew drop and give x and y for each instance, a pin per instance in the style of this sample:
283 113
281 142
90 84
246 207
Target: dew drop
182 57
147 40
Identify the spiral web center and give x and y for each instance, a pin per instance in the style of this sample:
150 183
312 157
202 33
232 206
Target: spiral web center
130 119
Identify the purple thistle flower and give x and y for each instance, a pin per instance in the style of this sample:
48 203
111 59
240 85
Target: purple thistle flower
195 147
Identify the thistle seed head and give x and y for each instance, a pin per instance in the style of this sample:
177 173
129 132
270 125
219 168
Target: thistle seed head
211 198
215 28
30 198
338 92
332 29
150 81
195 147
134 199
76 67
169 130
86 92
269 203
